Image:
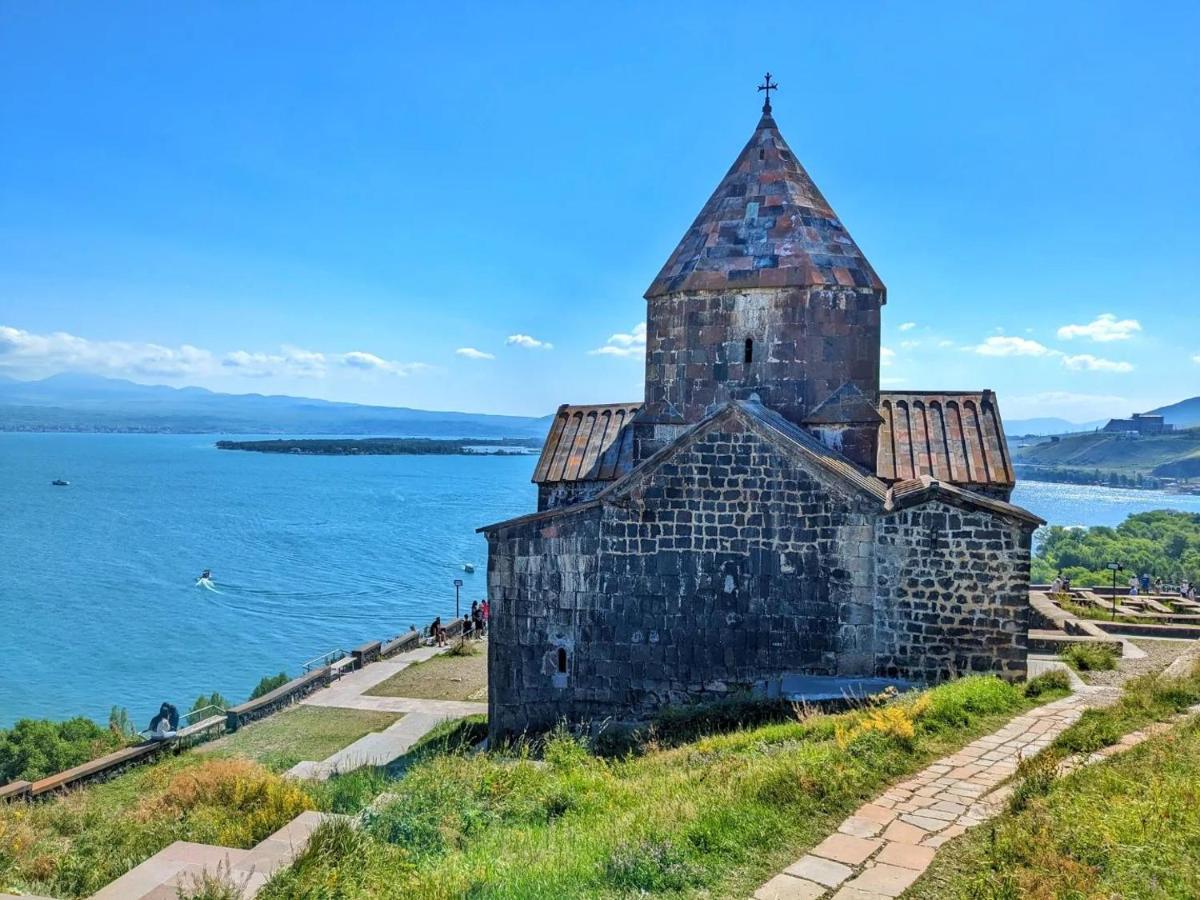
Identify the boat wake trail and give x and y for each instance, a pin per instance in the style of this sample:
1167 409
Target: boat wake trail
207 585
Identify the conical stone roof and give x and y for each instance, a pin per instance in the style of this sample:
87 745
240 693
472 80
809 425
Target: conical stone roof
766 225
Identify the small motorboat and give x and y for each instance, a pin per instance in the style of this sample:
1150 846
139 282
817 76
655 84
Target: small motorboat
58 482
468 568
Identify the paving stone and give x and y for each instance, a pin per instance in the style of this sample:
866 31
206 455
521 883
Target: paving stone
875 813
860 827
890 881
849 893
936 840
822 871
844 848
923 822
787 887
907 856
904 833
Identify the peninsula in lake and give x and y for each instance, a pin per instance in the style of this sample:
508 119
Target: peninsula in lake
388 446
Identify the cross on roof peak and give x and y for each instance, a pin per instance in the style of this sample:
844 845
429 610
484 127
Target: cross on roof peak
767 86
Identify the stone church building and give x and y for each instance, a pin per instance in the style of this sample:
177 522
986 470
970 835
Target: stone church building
765 512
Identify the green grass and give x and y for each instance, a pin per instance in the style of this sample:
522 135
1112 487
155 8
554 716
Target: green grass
712 817
1126 828
1090 657
73 845
458 674
301 733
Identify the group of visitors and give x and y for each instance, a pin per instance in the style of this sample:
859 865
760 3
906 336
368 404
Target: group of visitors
474 625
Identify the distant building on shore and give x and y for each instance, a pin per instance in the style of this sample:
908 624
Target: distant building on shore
765 517
1141 423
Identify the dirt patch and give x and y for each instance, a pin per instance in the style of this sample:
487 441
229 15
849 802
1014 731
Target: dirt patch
444 677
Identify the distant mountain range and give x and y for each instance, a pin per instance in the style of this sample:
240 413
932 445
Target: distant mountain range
71 402
1184 414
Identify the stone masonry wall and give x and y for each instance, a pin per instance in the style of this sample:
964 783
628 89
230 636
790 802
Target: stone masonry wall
952 593
729 565
806 344
541 573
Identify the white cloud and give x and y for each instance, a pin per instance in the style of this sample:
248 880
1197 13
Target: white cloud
892 381
1196 359
631 343
369 362
1103 328
528 342
1000 345
909 345
945 344
907 326
38 355
1089 363
472 353
44 354
289 361
887 356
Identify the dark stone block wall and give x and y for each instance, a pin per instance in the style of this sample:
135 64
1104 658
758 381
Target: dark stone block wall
728 565
952 593
807 342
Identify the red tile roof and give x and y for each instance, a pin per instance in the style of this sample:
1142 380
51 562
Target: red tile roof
766 225
950 436
588 443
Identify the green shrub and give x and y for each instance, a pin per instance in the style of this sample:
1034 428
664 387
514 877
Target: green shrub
1054 681
120 724
268 684
213 699
35 748
1090 657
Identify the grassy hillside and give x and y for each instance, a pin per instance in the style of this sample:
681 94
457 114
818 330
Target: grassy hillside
1167 455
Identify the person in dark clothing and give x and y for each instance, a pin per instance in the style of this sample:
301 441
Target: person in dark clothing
165 723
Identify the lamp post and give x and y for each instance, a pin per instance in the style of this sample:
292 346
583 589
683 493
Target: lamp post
458 583
1114 567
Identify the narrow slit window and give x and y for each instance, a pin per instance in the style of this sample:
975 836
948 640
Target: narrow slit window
749 354
562 661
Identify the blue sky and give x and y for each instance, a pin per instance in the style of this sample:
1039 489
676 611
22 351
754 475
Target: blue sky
336 201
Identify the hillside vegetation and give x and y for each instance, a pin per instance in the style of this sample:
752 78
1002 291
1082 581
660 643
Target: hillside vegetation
1164 544
713 816
1172 455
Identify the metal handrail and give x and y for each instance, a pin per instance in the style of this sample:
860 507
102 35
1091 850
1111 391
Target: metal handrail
195 716
324 659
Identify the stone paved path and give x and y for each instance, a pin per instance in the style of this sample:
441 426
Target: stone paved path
381 747
886 844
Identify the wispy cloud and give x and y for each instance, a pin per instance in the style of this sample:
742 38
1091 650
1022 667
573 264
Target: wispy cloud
43 354
1089 363
1103 329
36 355
887 356
528 342
907 326
472 353
1069 404
1007 345
626 344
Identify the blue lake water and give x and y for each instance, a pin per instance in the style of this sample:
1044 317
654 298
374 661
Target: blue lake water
98 600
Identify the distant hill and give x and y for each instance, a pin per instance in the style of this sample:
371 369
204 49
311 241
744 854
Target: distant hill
1018 427
91 403
1184 414
1171 455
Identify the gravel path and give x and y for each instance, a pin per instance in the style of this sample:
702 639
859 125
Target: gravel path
1159 655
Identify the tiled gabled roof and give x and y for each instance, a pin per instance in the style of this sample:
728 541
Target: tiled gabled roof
588 443
955 437
766 225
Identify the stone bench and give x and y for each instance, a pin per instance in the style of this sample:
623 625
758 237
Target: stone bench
98 769
284 695
409 641
367 653
15 790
